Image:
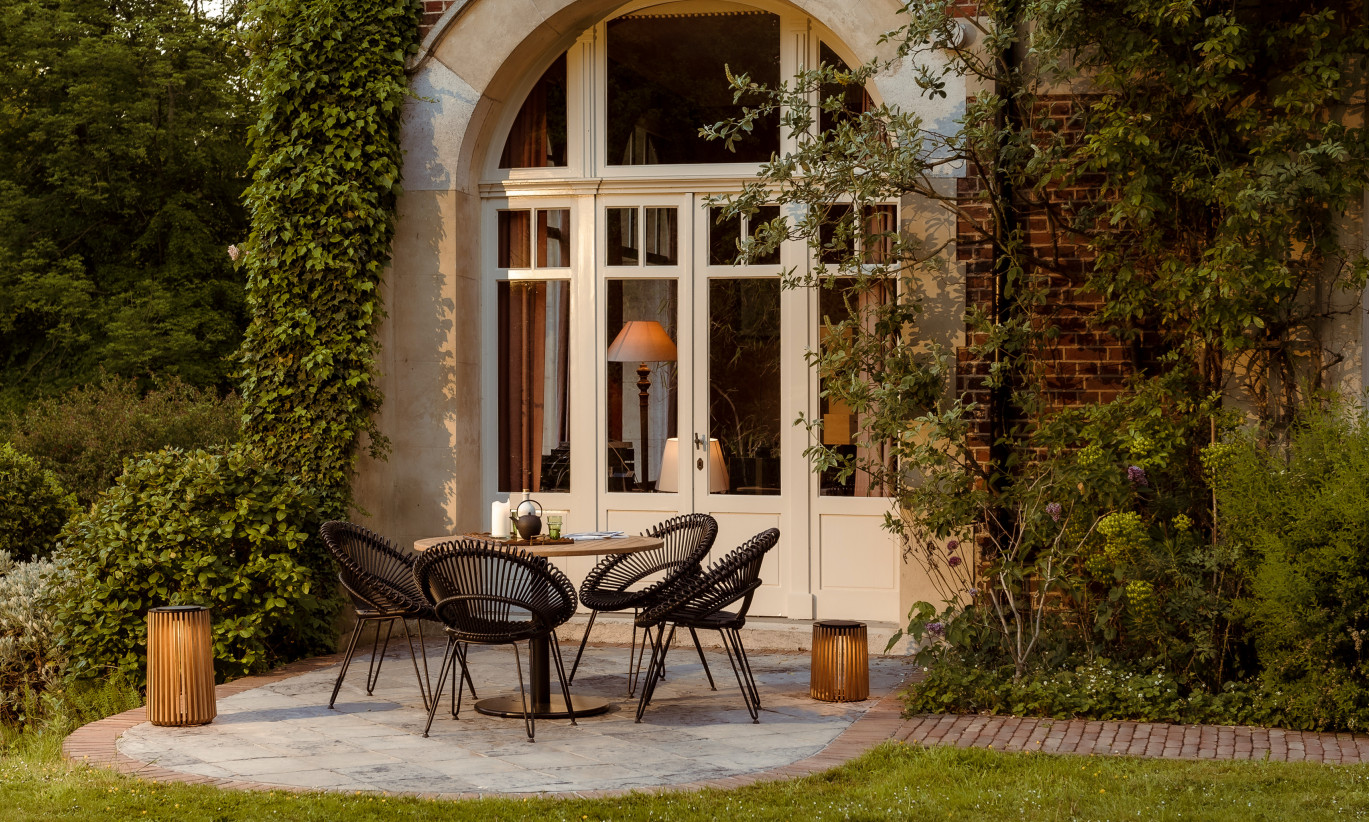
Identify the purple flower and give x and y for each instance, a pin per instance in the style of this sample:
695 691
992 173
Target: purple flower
936 629
973 592
1137 475
953 561
1054 509
952 545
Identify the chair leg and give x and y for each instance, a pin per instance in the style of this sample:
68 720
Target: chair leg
561 674
649 684
529 718
660 646
447 660
700 649
576 665
746 666
373 675
347 659
742 672
424 684
465 680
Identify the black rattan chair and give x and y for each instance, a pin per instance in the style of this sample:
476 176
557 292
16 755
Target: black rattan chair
486 594
699 603
379 579
610 585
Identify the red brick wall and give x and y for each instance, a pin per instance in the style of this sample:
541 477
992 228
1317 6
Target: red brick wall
432 12
1081 364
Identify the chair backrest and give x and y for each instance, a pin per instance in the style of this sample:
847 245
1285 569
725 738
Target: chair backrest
686 541
732 579
375 573
490 592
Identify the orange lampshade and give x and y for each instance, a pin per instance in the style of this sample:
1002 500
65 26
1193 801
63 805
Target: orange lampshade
642 341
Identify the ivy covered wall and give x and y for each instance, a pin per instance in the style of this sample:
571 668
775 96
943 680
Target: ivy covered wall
326 159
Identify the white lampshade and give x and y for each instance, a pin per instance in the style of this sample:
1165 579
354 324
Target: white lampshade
642 341
670 467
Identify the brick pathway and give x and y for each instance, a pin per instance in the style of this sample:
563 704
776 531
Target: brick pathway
1143 739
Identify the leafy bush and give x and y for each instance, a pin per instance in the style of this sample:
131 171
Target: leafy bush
1302 512
33 506
86 434
31 664
227 531
1100 689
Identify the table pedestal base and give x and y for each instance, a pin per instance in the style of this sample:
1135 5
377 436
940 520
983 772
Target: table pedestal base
512 706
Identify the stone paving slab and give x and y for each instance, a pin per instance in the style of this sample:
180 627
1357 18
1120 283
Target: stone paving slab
275 731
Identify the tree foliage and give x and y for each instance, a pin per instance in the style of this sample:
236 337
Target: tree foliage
122 162
325 166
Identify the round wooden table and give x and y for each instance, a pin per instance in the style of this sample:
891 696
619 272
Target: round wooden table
544 707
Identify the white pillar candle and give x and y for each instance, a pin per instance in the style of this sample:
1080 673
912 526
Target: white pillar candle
499 520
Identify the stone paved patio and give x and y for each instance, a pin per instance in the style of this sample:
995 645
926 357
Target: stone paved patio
281 733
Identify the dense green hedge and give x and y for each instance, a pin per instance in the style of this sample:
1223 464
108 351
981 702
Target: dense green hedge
325 176
85 434
227 531
33 505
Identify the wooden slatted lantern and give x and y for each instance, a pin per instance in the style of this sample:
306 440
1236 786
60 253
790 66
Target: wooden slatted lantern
180 666
840 669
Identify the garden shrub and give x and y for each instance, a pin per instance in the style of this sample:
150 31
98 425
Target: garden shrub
1302 511
33 505
31 663
225 530
1099 689
86 434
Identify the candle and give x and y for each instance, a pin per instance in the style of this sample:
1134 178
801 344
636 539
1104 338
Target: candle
499 520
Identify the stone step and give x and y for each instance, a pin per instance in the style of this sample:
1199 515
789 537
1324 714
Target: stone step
760 633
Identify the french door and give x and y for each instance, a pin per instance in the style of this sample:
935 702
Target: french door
709 434
685 374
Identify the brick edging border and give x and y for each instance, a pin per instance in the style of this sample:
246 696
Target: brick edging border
97 744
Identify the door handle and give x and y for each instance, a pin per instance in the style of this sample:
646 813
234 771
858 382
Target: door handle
698 443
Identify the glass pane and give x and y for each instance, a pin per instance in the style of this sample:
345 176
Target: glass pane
836 234
538 136
723 238
634 419
534 365
744 381
553 238
764 214
661 236
622 236
840 424
667 79
515 240
854 99
881 222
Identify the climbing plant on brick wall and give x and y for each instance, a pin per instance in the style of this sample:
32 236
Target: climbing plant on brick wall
326 159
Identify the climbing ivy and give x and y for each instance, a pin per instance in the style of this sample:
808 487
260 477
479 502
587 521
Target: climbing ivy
326 159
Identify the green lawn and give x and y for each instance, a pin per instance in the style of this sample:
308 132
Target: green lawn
892 782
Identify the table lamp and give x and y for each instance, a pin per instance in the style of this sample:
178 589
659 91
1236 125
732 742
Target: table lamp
642 341
718 481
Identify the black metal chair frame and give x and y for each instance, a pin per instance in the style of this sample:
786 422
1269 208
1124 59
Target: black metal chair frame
608 587
474 587
698 603
378 578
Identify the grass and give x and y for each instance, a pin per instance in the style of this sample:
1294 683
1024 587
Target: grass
893 781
